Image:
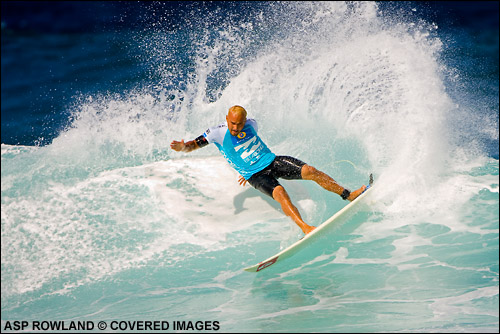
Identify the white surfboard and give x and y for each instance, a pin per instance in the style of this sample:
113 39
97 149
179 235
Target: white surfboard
302 243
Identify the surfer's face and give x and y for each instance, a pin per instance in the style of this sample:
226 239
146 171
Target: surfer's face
235 123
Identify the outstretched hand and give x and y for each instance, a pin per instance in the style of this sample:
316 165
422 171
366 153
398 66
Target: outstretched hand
178 145
242 181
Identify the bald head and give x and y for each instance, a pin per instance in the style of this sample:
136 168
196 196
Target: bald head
236 119
238 111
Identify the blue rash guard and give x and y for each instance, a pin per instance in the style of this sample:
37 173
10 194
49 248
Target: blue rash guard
246 152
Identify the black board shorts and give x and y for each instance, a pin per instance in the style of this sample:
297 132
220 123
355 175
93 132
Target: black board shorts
285 167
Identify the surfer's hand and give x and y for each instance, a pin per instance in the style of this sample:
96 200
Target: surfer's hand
178 145
242 181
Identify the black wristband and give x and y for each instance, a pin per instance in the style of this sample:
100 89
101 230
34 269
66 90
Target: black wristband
201 141
345 194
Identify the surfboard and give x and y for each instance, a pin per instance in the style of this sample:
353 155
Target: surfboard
311 237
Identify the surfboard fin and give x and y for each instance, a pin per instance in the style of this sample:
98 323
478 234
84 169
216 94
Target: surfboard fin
371 180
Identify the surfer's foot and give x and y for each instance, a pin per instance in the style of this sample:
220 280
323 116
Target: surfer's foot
308 229
356 193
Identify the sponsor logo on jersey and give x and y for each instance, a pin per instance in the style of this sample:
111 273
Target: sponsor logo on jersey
242 135
248 148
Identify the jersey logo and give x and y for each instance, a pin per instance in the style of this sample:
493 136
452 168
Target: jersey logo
241 135
249 147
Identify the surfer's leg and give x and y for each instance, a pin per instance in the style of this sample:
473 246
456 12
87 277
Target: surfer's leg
328 183
281 196
325 181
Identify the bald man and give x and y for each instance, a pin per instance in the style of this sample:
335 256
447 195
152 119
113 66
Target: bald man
246 152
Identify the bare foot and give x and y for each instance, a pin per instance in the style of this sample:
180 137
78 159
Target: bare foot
308 229
356 193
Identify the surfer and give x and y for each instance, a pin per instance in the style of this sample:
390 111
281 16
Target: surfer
246 152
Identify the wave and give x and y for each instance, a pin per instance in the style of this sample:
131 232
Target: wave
327 82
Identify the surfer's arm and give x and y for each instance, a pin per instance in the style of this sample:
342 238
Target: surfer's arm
191 145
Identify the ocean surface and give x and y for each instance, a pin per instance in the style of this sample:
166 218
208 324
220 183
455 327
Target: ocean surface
103 225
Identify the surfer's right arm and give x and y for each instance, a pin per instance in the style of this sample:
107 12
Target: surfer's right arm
191 145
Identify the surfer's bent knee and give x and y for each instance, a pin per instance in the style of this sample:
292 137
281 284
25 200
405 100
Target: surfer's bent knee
278 193
308 170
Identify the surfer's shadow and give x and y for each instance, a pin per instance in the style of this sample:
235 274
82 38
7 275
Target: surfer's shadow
296 190
239 200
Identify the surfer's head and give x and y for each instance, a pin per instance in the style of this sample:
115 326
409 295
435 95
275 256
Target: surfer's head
236 119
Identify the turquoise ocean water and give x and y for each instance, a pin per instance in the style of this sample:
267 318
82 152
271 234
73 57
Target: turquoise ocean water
101 221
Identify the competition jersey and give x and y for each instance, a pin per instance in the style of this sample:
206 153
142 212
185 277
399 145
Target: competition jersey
246 152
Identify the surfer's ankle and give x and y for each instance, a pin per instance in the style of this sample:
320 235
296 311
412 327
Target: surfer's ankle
308 229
